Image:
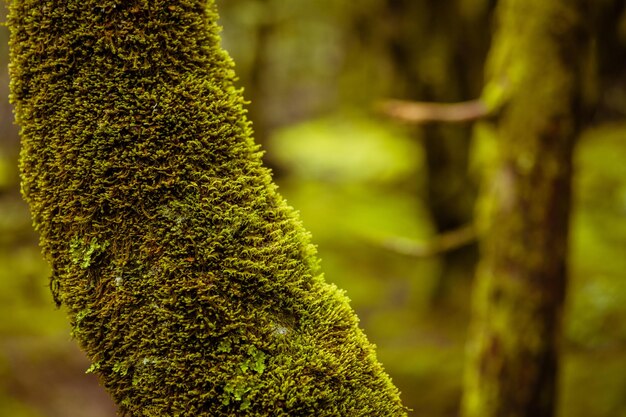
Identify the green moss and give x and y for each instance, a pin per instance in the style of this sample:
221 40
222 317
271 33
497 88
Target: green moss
188 280
83 254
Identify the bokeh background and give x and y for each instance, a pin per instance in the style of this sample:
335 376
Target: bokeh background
382 199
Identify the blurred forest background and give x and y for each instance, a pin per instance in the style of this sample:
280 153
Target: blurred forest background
388 203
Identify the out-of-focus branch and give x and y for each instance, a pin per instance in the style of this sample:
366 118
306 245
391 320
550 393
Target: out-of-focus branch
438 244
420 112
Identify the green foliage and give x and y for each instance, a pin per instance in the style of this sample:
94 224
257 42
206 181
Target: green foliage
597 300
347 148
11 407
23 298
188 281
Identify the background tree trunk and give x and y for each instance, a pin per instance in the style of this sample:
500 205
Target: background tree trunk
435 54
532 75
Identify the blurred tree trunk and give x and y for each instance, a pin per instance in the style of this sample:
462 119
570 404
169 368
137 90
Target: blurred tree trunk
437 55
532 78
605 84
251 72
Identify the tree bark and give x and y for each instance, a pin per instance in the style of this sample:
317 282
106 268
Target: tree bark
532 78
188 280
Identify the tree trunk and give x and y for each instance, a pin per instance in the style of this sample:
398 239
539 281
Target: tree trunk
187 279
436 54
532 76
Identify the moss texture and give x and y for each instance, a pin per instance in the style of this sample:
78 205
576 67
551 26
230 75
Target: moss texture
533 71
187 279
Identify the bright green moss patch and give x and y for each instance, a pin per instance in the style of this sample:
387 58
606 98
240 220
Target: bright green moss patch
187 279
84 254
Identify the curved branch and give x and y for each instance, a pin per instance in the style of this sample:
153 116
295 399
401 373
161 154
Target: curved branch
441 243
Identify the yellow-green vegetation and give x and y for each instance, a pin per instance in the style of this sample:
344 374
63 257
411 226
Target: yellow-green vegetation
187 279
594 371
597 300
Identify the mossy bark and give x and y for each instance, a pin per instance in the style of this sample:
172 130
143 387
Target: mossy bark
187 279
532 74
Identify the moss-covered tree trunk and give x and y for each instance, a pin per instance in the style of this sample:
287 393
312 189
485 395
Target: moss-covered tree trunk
187 279
532 75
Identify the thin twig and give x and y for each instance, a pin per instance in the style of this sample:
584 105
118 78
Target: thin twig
420 112
441 243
